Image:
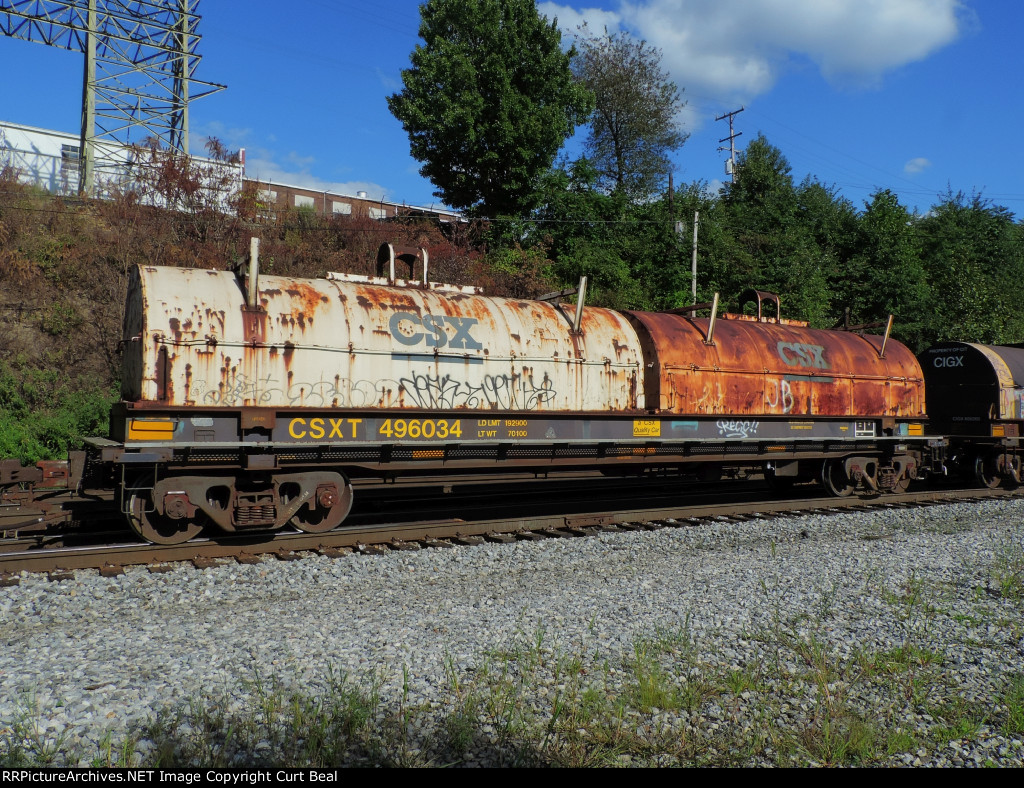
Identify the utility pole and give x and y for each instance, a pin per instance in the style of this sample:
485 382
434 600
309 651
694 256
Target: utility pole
696 219
731 166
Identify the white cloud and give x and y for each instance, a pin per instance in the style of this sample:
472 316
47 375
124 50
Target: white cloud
387 81
261 165
917 165
301 162
714 187
569 19
733 50
232 137
291 169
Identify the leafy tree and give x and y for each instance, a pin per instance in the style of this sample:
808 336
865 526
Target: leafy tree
635 126
488 102
886 275
972 255
717 249
578 226
629 250
827 223
760 209
763 194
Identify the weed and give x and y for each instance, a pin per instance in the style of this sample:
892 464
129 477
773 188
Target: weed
678 641
740 680
695 689
1008 571
838 739
27 743
1013 699
899 741
904 658
825 602
119 756
341 725
653 687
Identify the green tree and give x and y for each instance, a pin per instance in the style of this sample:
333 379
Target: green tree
971 251
628 249
488 102
775 242
827 225
635 125
885 275
578 226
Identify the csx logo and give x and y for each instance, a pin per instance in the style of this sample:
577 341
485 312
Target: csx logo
797 354
405 327
948 361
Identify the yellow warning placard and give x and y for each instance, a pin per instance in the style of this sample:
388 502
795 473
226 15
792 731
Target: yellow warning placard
646 428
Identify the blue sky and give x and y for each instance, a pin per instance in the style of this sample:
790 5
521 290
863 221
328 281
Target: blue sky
912 95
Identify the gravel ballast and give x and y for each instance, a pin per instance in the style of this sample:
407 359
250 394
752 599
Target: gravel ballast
791 602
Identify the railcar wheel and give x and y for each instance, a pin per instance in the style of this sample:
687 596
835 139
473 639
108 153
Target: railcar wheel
1010 469
325 511
154 527
833 476
986 473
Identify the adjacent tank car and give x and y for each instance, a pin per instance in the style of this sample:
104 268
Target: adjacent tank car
250 401
976 400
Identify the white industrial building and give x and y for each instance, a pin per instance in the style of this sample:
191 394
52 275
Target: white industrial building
49 159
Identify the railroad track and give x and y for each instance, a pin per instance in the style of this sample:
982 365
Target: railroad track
110 552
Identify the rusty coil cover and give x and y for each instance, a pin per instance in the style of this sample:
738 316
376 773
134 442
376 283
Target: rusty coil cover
191 340
761 368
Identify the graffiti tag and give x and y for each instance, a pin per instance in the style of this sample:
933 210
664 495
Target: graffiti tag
779 393
737 429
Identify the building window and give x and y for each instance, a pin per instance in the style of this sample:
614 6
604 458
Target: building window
301 201
266 205
344 208
69 157
378 213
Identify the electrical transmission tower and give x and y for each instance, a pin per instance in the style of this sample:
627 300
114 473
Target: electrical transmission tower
140 61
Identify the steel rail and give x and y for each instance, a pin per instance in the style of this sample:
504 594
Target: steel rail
446 532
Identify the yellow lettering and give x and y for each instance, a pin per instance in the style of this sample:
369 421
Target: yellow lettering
644 428
291 429
316 428
336 428
354 423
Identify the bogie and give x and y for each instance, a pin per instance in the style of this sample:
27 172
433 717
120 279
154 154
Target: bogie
177 507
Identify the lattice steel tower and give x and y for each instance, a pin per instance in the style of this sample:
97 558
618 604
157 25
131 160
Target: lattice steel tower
140 62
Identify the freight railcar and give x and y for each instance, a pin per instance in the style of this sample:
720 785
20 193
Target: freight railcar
976 400
250 401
